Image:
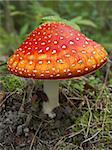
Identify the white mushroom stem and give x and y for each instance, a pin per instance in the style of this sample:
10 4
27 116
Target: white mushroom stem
51 88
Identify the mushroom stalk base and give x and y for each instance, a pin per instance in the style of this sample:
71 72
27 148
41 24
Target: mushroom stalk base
51 88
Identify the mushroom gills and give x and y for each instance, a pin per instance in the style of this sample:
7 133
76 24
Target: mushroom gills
51 88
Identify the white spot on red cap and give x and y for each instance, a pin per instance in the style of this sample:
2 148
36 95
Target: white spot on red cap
48 61
44 33
74 51
80 61
29 48
31 62
55 42
78 70
83 52
40 62
102 60
64 46
71 34
73 65
47 48
51 75
94 66
71 42
45 37
87 39
98 65
39 39
49 41
94 52
61 37
40 27
86 42
47 71
84 45
58 75
20 49
53 68
54 51
40 51
89 60
77 39
36 42
67 55
42 75
35 71
28 53
38 33
64 70
50 36
86 69
43 43
69 74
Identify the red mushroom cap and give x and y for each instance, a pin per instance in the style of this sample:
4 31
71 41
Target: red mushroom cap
56 51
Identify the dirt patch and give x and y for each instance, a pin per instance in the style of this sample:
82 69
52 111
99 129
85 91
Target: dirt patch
31 129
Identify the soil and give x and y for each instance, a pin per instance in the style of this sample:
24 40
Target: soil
29 129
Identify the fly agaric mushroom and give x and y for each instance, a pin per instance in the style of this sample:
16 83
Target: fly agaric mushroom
55 51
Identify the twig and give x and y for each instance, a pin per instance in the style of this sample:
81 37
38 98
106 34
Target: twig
2 64
1 145
35 136
42 118
12 146
94 135
110 61
75 133
28 119
90 112
63 138
105 113
7 98
105 81
23 103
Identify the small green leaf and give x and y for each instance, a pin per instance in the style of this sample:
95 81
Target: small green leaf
14 13
87 23
58 19
51 18
24 29
76 19
74 25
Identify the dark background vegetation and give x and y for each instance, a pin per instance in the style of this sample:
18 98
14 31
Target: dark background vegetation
90 121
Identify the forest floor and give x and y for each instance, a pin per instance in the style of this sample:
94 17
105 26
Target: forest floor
83 121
